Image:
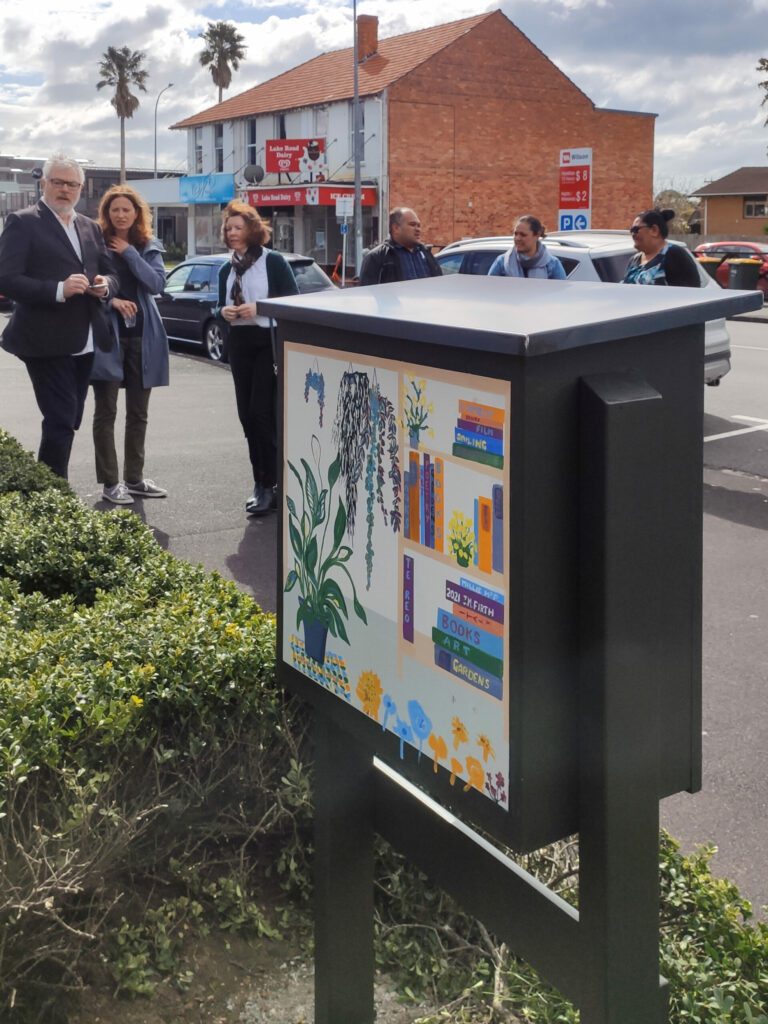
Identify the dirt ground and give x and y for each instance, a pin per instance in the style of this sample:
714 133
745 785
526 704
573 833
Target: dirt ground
236 983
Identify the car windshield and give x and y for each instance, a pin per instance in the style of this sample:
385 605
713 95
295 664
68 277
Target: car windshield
309 277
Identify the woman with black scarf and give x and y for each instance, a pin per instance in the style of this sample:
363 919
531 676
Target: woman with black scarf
254 273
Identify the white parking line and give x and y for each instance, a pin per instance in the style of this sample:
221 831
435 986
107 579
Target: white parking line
762 425
752 348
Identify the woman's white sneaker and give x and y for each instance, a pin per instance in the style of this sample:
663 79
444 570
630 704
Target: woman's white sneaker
118 495
146 489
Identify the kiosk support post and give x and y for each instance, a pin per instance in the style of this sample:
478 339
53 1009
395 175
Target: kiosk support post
622 514
344 804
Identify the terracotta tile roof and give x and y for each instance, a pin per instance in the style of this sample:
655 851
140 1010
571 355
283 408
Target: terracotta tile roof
744 181
329 77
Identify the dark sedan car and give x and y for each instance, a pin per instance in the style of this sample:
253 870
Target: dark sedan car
191 293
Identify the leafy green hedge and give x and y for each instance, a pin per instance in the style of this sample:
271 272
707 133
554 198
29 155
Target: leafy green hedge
20 472
714 957
143 742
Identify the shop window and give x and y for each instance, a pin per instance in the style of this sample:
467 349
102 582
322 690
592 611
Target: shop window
352 133
321 122
250 141
198 150
218 147
280 132
755 206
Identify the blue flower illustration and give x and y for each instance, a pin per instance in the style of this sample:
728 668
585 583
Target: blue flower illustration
390 708
404 731
422 725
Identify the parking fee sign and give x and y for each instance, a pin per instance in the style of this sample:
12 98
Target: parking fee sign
575 205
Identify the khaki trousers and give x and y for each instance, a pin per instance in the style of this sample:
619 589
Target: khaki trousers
136 405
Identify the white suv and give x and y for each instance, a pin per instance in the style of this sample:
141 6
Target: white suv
588 256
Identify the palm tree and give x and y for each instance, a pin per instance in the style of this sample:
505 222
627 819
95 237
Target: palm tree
121 69
762 67
224 50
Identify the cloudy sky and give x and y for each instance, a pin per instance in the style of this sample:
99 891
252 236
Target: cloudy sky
692 62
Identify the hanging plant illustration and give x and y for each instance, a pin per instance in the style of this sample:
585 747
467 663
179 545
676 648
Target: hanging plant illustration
351 434
416 410
365 432
317 559
314 381
461 538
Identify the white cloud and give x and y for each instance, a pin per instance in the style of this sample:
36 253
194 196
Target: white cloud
704 91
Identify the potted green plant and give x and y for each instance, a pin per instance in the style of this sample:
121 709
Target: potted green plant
318 560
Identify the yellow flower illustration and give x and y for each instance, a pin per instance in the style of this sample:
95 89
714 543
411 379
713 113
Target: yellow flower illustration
369 691
476 775
457 768
459 730
439 749
485 745
461 537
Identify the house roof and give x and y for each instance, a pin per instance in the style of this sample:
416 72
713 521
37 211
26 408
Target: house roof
329 77
744 181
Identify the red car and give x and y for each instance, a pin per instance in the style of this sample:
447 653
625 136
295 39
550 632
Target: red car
737 250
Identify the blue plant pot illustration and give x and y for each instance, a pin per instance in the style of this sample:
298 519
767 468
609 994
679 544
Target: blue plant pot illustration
315 637
413 436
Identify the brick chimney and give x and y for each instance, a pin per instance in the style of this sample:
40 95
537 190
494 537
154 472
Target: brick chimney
367 36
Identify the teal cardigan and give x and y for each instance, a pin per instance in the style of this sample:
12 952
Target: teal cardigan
280 279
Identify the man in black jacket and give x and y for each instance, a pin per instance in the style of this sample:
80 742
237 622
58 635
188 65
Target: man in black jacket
402 257
55 266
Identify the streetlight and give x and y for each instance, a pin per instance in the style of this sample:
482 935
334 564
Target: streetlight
169 86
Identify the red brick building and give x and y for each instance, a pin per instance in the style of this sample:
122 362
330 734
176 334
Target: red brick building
463 121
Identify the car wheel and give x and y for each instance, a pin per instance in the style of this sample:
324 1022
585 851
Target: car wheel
215 341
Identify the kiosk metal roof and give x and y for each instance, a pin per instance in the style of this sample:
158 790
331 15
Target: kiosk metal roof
516 317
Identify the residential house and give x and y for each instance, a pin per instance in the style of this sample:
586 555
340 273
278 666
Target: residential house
735 206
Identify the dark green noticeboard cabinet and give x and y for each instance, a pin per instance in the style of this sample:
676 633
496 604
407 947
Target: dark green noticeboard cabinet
429 546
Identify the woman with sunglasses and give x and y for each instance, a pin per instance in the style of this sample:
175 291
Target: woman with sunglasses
138 360
658 261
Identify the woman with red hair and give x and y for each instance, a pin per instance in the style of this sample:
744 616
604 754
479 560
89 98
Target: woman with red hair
138 361
254 273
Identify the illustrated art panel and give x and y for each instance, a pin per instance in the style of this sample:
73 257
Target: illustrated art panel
395 589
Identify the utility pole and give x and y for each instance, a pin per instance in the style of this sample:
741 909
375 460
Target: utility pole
358 210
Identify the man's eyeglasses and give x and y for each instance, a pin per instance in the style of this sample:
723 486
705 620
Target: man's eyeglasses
61 183
637 227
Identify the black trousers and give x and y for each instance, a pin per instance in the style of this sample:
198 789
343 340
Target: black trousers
60 384
250 359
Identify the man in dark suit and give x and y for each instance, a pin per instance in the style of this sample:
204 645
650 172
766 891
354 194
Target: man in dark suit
55 266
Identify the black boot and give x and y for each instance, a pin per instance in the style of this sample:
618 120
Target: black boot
261 503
